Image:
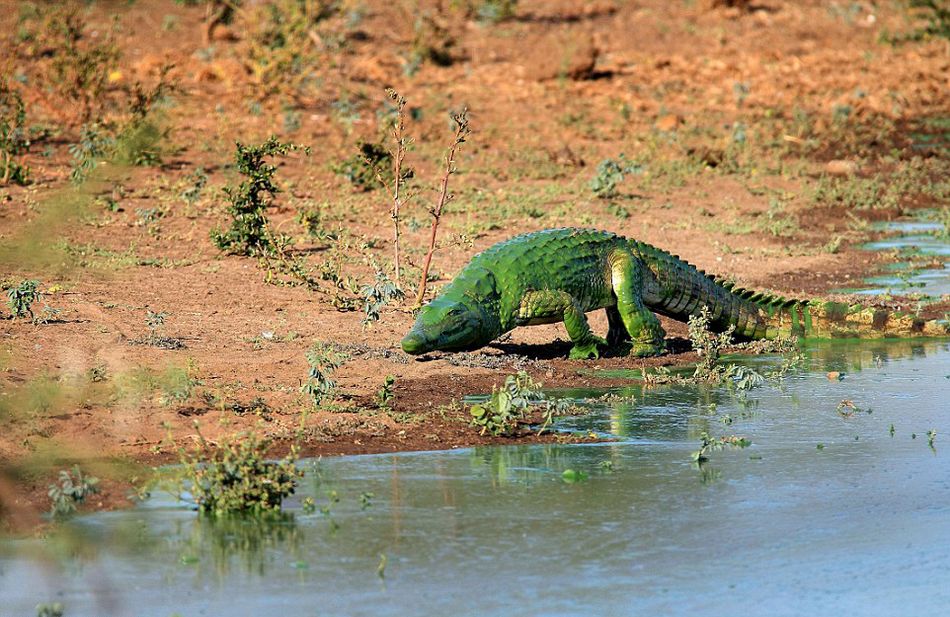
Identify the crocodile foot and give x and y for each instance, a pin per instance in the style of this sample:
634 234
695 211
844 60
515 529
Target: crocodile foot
584 351
643 350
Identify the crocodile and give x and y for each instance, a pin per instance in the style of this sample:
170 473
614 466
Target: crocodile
561 274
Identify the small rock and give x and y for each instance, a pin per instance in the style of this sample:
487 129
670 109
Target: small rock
668 122
562 54
841 168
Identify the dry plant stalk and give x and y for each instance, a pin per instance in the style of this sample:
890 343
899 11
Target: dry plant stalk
398 155
461 132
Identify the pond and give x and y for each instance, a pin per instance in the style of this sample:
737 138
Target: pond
832 510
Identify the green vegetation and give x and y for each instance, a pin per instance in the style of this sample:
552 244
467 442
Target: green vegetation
53 609
709 444
611 173
94 143
14 138
370 168
323 359
21 298
378 295
385 394
249 233
234 476
509 406
72 490
935 13
138 140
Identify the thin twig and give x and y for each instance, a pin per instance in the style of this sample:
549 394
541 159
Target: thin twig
461 132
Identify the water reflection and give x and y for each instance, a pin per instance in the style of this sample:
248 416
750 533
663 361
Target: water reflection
499 530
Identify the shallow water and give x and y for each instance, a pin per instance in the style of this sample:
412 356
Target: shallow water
858 527
913 243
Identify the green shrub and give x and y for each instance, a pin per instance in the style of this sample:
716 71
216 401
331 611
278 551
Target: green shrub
936 14
365 168
94 144
21 298
235 476
610 173
73 488
509 406
14 138
378 295
323 359
248 234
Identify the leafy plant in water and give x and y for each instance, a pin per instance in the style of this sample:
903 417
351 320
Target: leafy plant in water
21 298
73 488
709 444
510 404
249 234
14 139
235 477
323 360
54 609
707 344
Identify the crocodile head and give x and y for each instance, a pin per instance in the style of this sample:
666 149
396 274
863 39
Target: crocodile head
462 318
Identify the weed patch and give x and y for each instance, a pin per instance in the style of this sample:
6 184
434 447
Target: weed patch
249 233
73 489
508 406
14 138
323 359
235 477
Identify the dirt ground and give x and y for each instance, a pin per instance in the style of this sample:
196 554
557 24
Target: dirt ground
762 143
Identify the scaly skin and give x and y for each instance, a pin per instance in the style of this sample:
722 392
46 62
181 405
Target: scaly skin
561 274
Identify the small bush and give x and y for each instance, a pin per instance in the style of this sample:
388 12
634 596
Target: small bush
936 14
14 138
509 405
249 234
235 477
94 143
138 140
73 488
365 168
323 360
611 173
21 298
378 295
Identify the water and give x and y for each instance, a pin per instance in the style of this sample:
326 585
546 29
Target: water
914 243
858 527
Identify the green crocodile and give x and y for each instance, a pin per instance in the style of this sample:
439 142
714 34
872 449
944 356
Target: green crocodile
561 274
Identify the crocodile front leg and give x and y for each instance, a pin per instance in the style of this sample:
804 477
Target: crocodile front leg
548 306
642 325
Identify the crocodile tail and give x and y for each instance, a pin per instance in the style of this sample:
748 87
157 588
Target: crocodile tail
759 315
838 320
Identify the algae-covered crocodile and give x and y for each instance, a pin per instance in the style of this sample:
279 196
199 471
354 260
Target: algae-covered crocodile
561 274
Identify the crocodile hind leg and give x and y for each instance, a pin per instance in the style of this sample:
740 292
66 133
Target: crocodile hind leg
642 325
617 331
550 306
